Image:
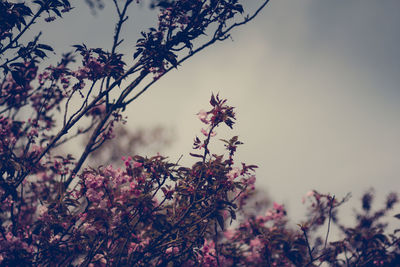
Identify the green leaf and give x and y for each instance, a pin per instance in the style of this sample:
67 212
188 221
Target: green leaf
220 220
45 47
195 155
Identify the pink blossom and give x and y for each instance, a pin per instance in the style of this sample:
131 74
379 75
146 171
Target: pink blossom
277 212
252 256
261 219
250 182
94 195
256 244
233 173
9 236
42 210
93 181
137 164
202 115
171 250
229 234
33 132
209 253
278 207
308 195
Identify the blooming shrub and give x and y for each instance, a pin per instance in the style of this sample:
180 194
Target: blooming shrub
56 210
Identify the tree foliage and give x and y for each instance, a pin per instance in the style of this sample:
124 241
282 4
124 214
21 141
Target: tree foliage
56 210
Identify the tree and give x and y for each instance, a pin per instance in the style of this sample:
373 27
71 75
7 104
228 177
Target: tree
56 210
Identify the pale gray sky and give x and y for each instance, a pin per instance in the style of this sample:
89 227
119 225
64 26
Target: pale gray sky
315 83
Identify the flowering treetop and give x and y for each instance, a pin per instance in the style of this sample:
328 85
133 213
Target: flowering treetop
55 210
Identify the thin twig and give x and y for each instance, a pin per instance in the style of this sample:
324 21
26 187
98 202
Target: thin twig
308 244
329 221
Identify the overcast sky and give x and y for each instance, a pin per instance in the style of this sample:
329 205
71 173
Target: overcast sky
314 83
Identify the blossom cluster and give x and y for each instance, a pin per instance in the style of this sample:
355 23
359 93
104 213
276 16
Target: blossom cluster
56 210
